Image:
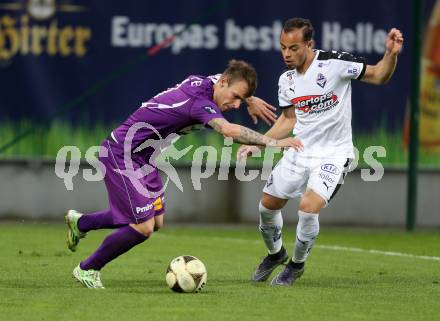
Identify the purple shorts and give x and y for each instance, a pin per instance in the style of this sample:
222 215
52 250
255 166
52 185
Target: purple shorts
129 202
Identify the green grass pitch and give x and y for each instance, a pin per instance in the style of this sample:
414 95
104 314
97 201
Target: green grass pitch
345 283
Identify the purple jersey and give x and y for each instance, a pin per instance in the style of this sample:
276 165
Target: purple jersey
186 107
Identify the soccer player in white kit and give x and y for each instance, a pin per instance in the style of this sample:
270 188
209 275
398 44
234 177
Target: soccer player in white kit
315 98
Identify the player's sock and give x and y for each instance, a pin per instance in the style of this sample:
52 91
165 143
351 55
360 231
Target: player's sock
96 221
306 232
271 223
117 243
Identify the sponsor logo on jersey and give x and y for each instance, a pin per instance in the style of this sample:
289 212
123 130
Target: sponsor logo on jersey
321 80
289 92
290 79
314 104
330 168
210 110
290 74
353 70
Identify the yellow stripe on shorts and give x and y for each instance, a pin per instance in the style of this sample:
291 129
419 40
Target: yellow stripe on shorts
157 204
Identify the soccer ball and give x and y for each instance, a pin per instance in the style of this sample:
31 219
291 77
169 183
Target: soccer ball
186 273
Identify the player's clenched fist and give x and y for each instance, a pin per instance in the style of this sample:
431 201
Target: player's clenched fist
394 41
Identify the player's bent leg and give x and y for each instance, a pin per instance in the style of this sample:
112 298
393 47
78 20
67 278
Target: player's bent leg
306 232
272 202
146 228
114 245
311 202
271 224
98 220
73 233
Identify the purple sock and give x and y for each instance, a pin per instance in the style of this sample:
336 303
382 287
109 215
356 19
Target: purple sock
96 221
117 243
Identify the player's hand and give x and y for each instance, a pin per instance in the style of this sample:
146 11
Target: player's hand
247 150
290 142
258 108
394 41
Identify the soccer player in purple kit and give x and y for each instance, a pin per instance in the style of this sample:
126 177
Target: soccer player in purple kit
136 204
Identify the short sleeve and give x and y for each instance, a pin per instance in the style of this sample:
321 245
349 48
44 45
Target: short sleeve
352 67
283 87
204 111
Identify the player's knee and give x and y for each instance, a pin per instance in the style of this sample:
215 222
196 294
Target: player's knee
145 228
263 209
269 217
311 202
271 202
147 231
309 206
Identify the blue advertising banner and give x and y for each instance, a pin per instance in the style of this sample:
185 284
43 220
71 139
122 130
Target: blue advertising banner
91 61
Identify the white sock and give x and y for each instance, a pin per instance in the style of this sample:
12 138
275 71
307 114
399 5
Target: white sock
271 223
306 232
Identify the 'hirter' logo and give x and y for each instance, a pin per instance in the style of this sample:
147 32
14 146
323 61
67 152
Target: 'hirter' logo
34 28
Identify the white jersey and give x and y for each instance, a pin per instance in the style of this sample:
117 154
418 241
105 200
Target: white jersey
322 101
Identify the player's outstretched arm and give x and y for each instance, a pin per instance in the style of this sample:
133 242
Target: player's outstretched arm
244 135
381 72
284 124
281 129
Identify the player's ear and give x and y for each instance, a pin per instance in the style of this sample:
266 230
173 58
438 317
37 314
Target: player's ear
223 81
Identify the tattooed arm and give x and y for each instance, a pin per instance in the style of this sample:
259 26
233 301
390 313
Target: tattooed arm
282 128
244 135
240 134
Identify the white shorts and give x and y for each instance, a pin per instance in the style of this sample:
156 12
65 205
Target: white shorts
295 173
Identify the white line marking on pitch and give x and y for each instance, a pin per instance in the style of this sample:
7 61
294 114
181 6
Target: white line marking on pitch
334 248
355 249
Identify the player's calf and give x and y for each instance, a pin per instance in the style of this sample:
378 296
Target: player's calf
306 232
